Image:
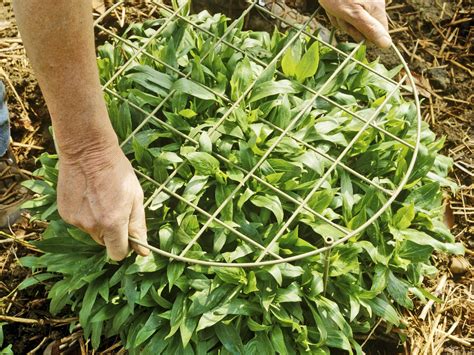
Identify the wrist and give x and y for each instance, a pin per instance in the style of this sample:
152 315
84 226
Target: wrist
89 144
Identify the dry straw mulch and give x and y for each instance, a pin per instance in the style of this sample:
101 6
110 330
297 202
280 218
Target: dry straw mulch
436 38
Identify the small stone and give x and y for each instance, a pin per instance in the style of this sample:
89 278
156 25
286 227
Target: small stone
459 265
440 78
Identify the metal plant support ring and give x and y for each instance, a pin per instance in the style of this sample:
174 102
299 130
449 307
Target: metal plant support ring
261 250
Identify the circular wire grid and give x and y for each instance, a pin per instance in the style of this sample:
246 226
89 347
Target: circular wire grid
263 253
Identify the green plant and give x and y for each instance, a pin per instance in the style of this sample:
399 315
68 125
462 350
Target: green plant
4 350
203 152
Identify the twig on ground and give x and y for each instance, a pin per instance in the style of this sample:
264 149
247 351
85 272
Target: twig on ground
12 319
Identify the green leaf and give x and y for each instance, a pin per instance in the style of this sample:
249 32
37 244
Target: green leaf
157 344
208 299
290 294
321 200
344 260
208 319
149 328
120 318
203 163
426 196
334 314
191 88
424 163
234 307
290 61
177 315
195 187
270 202
8 350
106 312
130 290
205 143
149 77
187 113
65 245
35 279
256 327
187 328
338 340
276 273
1 333
308 66
248 193
174 271
383 309
398 289
272 88
241 78
39 187
187 230
232 275
96 334
422 238
251 285
59 295
230 338
415 252
404 216
278 341
259 345
81 237
326 230
124 123
149 263
89 301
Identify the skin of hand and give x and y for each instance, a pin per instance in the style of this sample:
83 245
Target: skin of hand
97 189
361 19
106 201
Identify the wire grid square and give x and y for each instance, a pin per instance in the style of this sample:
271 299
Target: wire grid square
159 118
216 234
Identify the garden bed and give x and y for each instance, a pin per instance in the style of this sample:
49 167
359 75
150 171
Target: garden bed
447 90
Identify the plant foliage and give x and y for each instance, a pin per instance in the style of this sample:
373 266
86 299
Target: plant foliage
160 306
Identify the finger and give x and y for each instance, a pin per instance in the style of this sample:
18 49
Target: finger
137 227
371 28
99 239
116 242
379 13
333 20
351 31
90 229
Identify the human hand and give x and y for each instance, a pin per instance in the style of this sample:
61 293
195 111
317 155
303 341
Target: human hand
97 188
99 193
360 19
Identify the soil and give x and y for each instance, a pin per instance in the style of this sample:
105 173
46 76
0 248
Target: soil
435 38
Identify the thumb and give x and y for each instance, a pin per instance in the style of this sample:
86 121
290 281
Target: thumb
370 27
350 30
137 227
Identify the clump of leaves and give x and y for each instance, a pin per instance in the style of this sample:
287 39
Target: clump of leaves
210 127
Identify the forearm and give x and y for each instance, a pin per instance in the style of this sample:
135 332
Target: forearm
59 40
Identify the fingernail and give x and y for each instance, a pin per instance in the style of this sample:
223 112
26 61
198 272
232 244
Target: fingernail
385 41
